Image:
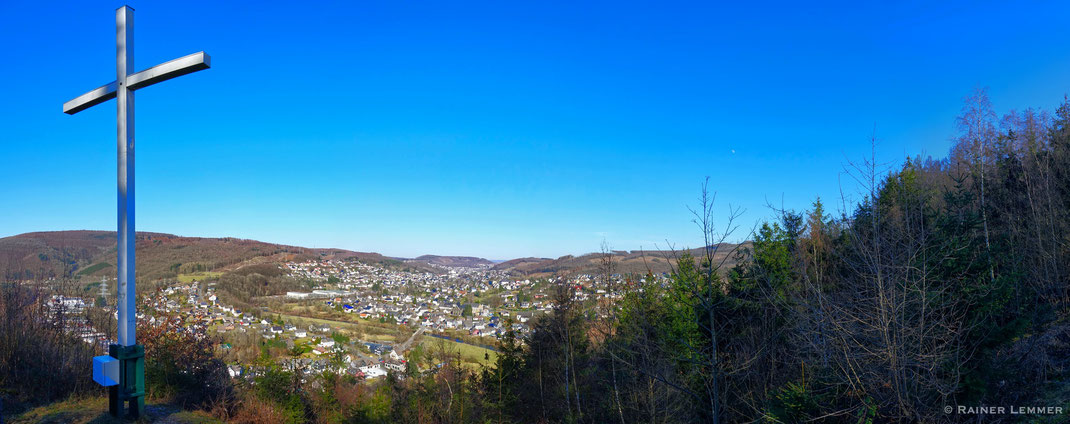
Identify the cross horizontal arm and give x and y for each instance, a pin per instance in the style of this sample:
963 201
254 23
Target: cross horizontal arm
156 74
184 65
90 99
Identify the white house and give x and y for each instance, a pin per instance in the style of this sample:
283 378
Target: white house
373 371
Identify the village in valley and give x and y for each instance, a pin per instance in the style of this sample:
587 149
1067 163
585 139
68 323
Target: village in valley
359 319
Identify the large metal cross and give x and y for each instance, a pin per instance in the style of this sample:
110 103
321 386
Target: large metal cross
126 82
128 364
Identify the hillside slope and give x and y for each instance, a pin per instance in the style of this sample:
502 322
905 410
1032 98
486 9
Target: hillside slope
452 261
91 254
634 262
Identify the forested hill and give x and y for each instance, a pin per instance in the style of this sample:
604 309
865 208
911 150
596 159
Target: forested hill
452 261
633 262
91 254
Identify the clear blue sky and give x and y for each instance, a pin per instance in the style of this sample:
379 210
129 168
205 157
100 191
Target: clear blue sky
495 129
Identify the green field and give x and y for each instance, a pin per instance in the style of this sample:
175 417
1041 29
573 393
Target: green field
370 332
198 276
474 355
94 268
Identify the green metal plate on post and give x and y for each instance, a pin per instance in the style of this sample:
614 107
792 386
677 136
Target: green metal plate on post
131 387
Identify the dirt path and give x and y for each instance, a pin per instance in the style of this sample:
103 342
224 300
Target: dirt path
404 347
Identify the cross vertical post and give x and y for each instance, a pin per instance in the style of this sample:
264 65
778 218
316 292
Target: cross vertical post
129 382
127 263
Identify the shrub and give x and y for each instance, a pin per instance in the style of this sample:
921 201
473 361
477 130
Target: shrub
180 364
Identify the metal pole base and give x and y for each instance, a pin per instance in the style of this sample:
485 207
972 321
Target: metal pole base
131 385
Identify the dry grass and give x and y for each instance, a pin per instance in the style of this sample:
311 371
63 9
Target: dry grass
198 276
367 330
95 411
472 356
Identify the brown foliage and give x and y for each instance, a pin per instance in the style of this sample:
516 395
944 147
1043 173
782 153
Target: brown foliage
253 410
39 361
181 365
